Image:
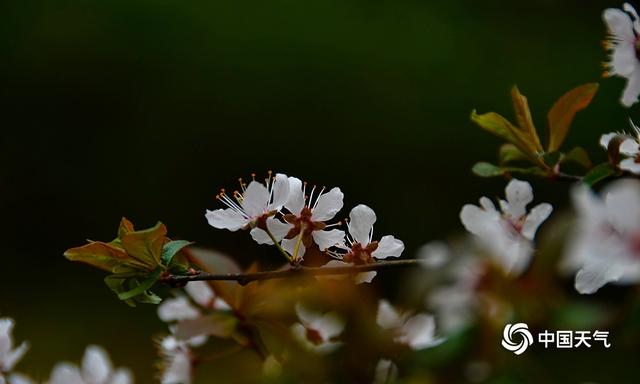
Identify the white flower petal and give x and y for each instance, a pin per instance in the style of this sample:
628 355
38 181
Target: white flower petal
200 292
260 236
328 239
226 219
475 219
96 366
386 372
623 57
121 376
606 138
622 203
630 165
434 254
632 89
255 199
364 277
178 370
65 373
329 326
289 245
589 280
387 316
419 332
487 204
328 205
177 309
513 255
17 378
280 192
277 228
295 201
536 216
519 194
307 316
388 246
361 220
629 147
13 357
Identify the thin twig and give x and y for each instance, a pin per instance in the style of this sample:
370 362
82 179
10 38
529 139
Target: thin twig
245 278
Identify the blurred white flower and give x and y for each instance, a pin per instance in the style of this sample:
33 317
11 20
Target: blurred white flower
418 331
177 363
605 246
181 308
507 234
361 248
316 331
386 372
306 222
629 149
17 378
246 209
96 369
455 301
9 356
622 43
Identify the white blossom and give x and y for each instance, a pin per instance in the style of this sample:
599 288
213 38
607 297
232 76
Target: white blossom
507 233
417 331
9 355
360 247
386 372
317 331
455 301
605 246
96 369
306 221
177 360
256 202
629 149
623 45
181 308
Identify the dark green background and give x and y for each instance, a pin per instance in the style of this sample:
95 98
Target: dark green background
146 108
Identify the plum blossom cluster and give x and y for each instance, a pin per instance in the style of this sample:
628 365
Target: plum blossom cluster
96 367
297 219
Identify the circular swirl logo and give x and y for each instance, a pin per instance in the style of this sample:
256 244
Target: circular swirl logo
518 330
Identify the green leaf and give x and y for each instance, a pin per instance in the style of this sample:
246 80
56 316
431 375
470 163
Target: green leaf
523 117
579 156
484 169
116 282
552 159
146 245
101 255
532 171
170 249
599 173
509 153
142 287
125 227
564 110
501 127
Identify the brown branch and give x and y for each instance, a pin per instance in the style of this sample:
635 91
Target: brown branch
245 278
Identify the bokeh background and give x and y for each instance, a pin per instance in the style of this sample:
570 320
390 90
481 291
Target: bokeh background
146 109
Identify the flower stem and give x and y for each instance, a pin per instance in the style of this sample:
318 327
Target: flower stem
292 272
275 242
